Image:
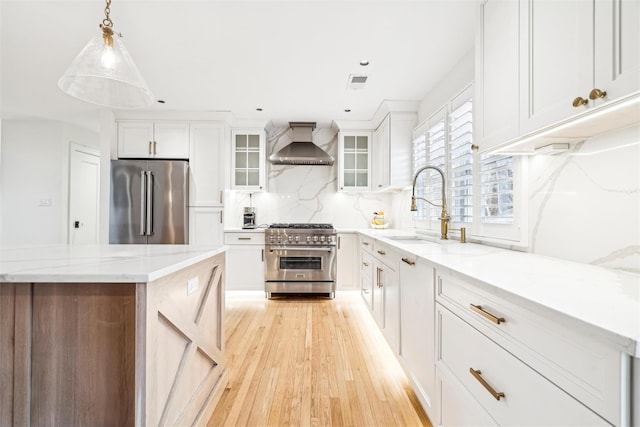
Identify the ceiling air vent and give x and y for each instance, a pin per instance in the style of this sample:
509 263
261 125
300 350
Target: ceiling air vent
357 81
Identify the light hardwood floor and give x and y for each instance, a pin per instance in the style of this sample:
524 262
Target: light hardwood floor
303 361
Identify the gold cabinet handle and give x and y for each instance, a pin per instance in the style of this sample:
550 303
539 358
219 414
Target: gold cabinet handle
150 145
366 264
244 238
477 375
155 147
382 252
366 291
597 94
365 243
579 102
408 261
495 319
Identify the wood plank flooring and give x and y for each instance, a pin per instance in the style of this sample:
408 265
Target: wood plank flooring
310 361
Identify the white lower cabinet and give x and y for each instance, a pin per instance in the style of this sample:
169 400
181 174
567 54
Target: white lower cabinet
417 329
458 407
510 391
347 252
245 261
205 226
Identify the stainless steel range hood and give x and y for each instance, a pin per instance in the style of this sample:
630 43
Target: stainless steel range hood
301 151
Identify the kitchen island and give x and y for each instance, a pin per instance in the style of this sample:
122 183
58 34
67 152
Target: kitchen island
111 335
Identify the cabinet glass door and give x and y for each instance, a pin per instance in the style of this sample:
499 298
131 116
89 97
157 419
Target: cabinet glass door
247 160
356 161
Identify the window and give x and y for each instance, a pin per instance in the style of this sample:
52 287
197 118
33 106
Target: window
480 188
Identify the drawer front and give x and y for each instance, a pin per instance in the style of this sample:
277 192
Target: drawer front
582 366
459 408
366 243
487 371
386 255
366 264
244 238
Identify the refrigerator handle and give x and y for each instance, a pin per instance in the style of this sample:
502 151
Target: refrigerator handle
143 200
149 203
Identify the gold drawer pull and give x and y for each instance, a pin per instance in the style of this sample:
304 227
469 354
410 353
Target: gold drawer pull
477 375
597 94
382 252
408 261
495 319
244 238
579 102
366 264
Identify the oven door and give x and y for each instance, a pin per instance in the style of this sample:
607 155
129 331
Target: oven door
300 264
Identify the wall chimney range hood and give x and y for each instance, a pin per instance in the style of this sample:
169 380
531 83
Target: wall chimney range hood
301 151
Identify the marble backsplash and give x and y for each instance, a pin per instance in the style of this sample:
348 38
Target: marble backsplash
583 205
303 193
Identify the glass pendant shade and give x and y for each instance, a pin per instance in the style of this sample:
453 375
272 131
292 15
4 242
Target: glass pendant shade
104 73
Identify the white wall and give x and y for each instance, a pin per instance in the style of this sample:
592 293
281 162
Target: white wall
34 167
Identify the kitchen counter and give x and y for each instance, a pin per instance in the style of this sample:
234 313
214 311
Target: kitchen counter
606 298
98 263
145 322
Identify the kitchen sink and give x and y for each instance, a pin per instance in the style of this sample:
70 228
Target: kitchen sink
412 238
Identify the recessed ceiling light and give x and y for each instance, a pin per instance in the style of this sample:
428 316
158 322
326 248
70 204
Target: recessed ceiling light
160 101
258 109
364 62
347 110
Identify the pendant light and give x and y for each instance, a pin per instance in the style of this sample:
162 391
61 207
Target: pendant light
104 73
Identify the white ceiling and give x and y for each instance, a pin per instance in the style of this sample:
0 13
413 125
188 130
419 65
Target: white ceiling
290 58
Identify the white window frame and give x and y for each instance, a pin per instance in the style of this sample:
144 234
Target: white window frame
511 235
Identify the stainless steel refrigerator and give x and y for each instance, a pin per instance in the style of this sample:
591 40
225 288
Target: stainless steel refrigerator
149 202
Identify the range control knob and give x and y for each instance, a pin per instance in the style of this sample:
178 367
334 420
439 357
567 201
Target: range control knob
297 238
308 238
322 238
315 238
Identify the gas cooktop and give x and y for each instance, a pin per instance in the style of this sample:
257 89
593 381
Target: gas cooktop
303 226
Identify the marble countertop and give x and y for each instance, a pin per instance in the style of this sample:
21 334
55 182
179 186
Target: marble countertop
602 297
99 263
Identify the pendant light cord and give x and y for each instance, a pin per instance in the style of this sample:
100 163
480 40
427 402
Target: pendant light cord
107 22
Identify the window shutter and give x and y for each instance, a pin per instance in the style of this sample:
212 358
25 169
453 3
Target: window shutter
496 193
461 163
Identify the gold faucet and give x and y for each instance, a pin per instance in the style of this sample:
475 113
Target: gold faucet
444 217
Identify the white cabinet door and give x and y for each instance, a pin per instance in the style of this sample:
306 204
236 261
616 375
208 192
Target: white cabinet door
354 157
367 278
392 151
245 268
556 62
205 226
617 47
390 284
206 154
141 139
417 329
248 160
496 86
382 161
347 261
135 139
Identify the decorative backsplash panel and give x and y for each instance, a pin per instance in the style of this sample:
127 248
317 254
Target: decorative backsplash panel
302 193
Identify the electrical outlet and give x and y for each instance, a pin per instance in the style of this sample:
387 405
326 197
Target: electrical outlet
45 202
192 285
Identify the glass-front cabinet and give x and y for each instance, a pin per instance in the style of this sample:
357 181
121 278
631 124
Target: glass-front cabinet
355 161
248 159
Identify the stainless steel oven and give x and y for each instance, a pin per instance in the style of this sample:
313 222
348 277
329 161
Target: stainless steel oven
300 259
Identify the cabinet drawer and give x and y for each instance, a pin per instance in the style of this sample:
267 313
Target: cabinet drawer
243 238
386 255
510 391
578 363
366 265
366 243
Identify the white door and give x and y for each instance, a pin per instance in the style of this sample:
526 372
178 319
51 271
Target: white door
84 186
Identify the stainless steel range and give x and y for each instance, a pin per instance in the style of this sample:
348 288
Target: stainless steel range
300 259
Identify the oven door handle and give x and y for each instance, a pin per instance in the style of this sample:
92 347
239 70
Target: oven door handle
304 248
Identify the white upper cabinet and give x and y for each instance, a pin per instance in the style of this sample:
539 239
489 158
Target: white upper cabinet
617 47
570 50
248 160
207 142
496 100
162 140
354 161
392 151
